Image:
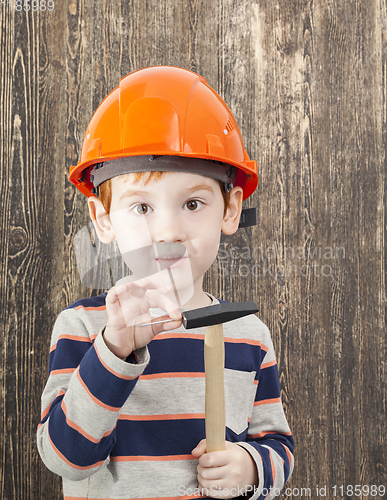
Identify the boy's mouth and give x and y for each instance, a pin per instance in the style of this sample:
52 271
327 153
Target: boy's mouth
172 260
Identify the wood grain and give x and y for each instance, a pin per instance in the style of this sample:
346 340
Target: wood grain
215 403
307 83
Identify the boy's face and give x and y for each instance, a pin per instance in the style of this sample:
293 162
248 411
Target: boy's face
174 222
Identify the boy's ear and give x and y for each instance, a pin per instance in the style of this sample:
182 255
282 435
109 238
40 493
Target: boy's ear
101 220
233 212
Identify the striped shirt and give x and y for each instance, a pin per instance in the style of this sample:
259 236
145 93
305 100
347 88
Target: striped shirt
117 429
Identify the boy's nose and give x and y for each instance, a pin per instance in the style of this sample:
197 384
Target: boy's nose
168 227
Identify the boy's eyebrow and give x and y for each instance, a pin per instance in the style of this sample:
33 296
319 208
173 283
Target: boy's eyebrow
132 192
197 187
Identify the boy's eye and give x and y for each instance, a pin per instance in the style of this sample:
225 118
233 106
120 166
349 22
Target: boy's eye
193 204
142 209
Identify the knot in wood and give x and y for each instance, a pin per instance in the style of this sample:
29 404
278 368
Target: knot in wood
19 237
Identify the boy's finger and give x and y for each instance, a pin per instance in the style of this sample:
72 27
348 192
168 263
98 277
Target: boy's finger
156 329
113 301
210 473
171 325
163 326
200 449
215 459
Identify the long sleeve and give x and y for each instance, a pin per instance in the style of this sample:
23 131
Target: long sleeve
269 439
86 388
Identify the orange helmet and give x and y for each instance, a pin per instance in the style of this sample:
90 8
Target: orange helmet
168 111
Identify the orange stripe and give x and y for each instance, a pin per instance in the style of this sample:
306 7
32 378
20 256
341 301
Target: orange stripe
96 400
262 434
44 413
272 471
87 498
182 416
267 401
172 375
246 341
76 427
289 455
78 498
116 374
272 466
147 458
90 308
185 497
161 336
268 364
82 338
78 467
74 337
63 371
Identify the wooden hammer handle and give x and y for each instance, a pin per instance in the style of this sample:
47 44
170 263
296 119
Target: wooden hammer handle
215 407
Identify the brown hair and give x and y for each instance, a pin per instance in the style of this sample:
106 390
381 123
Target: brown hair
105 189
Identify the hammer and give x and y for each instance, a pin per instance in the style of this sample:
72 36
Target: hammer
212 318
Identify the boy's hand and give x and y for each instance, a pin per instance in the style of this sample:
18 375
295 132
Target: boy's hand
128 306
225 474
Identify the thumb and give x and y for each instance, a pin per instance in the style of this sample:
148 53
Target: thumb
200 449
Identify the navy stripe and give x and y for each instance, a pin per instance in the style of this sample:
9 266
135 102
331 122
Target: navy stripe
104 385
181 355
268 476
243 357
268 387
276 445
68 354
273 440
75 447
56 401
235 438
175 355
273 443
158 437
187 355
99 300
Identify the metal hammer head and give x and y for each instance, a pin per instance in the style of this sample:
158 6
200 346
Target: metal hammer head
217 314
211 315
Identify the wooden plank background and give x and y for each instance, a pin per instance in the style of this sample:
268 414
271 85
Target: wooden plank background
307 82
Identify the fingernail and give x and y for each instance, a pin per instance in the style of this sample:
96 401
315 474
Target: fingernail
176 314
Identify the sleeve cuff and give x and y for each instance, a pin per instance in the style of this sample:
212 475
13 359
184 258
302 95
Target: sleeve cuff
118 365
258 462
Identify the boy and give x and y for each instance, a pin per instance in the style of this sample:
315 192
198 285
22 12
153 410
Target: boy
165 170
